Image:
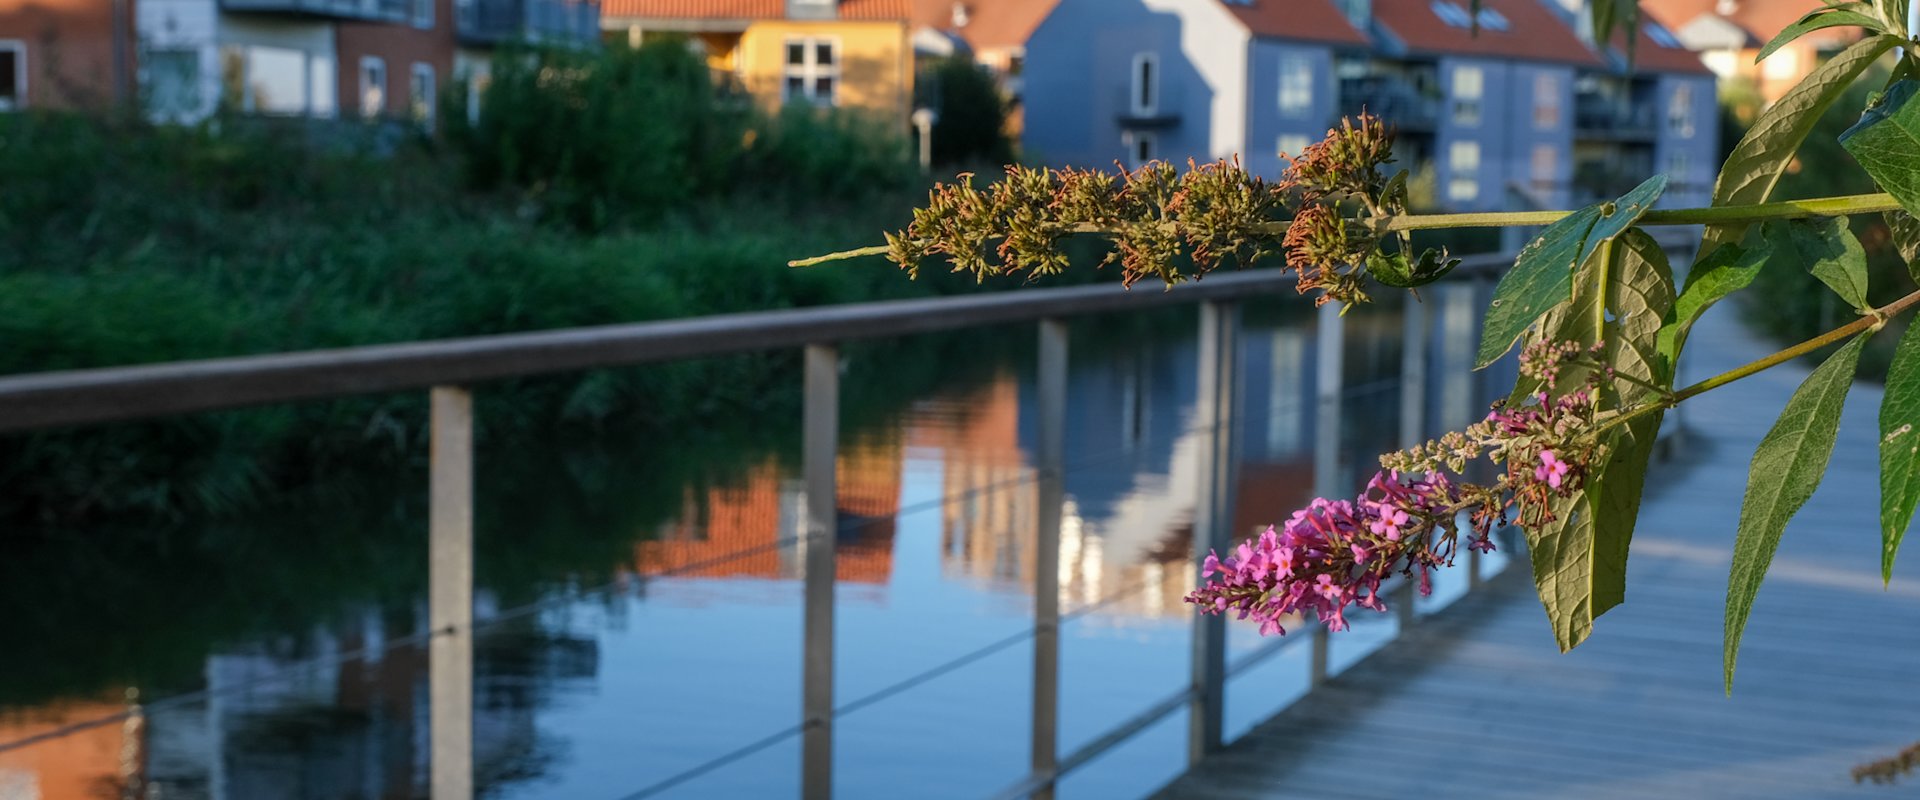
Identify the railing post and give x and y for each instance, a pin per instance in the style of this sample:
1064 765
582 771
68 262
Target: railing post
450 594
1414 319
820 442
1051 466
1330 376
1219 396
1459 337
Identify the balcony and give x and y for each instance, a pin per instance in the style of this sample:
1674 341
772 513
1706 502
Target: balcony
1394 101
1163 116
1615 119
493 22
358 10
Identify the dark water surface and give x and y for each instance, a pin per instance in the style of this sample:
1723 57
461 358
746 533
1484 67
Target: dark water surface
596 681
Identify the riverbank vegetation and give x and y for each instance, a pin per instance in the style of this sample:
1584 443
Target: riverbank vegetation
588 189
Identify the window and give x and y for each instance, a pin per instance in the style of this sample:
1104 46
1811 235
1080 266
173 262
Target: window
323 83
1291 144
1146 84
1680 110
171 80
1469 83
13 74
276 81
1491 20
1296 85
1451 13
423 14
1141 148
1546 165
420 92
1463 160
373 87
1546 101
1678 165
1663 37
812 71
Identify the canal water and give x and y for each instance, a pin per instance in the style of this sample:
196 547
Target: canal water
642 626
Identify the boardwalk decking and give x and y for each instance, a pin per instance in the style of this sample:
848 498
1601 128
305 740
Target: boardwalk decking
1478 703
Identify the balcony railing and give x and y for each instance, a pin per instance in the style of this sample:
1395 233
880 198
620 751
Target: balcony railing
368 10
1610 118
1405 107
488 22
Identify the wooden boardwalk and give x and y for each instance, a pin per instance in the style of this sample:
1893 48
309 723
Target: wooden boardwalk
1477 702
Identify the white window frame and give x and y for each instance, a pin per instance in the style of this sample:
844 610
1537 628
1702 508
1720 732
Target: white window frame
1290 144
1296 85
1463 164
1143 147
20 70
1680 111
810 71
1544 165
367 109
424 113
1546 101
1467 104
1144 96
1679 165
423 14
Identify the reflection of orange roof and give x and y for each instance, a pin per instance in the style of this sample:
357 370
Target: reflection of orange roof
85 763
1267 494
745 9
746 517
1534 32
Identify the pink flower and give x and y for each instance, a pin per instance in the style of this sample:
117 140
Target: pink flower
1389 522
1551 469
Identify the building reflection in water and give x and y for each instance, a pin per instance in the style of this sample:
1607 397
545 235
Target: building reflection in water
279 726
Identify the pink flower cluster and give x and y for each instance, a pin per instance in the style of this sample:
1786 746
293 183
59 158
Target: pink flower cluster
1335 553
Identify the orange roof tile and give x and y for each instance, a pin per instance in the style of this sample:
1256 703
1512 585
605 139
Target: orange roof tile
991 24
1761 19
746 9
1312 20
1534 32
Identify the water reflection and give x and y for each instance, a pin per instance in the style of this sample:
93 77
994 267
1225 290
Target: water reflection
600 693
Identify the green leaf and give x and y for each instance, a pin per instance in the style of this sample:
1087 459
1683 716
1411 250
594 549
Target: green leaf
1608 15
1393 269
1886 142
1899 448
1580 560
1827 248
1728 269
1786 469
1906 240
1542 277
1764 154
1819 19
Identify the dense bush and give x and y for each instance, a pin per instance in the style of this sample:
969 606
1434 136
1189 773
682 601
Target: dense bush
622 135
972 113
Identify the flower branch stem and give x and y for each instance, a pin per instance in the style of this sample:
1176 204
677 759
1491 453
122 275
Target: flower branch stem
1715 215
1870 321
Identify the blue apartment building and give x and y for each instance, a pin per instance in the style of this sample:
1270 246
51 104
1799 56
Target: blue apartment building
1527 113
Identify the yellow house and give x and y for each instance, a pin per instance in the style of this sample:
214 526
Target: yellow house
852 54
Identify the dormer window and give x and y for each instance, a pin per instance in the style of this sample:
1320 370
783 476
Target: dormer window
1492 20
1662 36
1451 13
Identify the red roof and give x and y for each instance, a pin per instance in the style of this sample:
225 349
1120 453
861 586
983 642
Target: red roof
1312 20
1533 32
745 9
1761 19
1651 57
991 24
